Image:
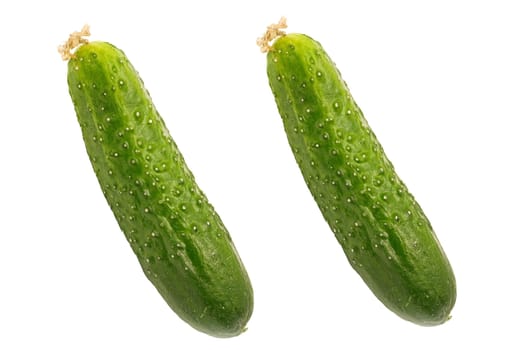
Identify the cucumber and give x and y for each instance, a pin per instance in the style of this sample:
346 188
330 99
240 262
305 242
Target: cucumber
381 228
180 242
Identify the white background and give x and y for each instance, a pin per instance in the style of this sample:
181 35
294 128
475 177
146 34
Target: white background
441 84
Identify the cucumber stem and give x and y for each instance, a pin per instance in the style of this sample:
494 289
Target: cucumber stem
75 40
273 31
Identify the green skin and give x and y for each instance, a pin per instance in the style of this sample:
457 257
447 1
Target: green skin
384 233
180 241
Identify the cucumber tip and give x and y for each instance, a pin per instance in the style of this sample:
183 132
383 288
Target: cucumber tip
273 32
66 50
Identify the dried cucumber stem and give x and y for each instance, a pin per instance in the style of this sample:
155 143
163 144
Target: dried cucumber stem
273 31
75 40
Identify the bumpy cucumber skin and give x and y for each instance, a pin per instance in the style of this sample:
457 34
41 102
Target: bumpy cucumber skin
180 241
384 233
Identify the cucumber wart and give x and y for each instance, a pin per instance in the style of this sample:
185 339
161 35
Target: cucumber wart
382 229
180 242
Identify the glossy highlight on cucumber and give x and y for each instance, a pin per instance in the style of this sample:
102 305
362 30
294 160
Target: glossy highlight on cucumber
381 228
181 243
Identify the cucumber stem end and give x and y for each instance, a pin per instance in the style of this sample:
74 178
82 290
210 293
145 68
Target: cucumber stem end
273 32
66 50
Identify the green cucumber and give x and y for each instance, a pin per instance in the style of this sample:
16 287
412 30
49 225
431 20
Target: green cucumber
383 231
180 242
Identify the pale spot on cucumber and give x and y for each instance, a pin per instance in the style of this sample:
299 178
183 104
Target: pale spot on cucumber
377 182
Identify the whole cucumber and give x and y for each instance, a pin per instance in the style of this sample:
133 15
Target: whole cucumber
180 242
383 231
